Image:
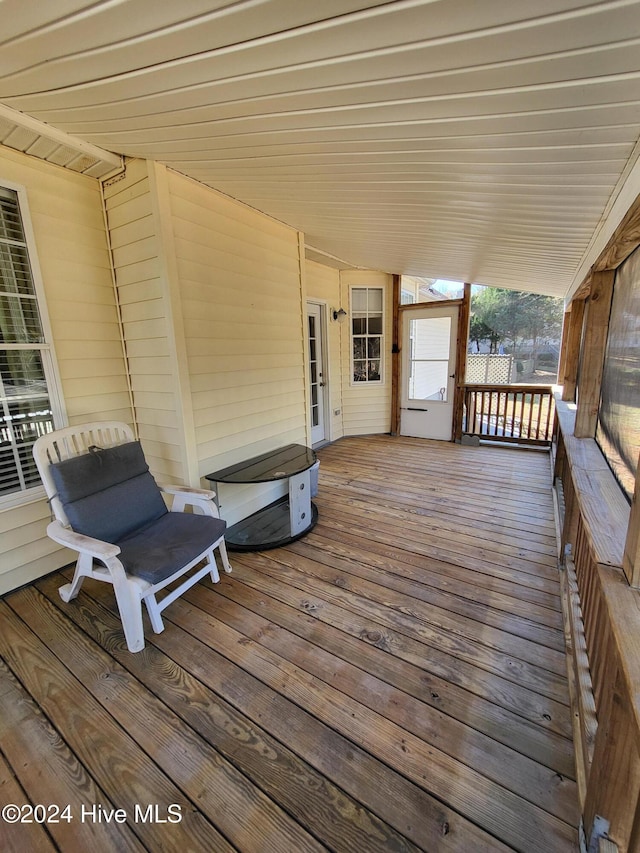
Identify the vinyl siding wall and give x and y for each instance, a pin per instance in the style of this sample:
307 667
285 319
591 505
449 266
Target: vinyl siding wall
212 296
323 285
66 214
367 406
240 285
144 295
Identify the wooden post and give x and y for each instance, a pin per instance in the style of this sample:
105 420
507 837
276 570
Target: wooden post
395 358
572 350
464 314
624 240
614 781
631 558
593 349
563 345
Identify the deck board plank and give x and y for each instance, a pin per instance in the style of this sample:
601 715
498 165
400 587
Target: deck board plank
492 807
538 740
465 745
267 763
450 613
431 585
509 694
47 773
412 810
108 752
482 560
393 681
200 771
433 571
540 679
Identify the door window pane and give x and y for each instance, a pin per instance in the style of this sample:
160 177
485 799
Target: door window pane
430 341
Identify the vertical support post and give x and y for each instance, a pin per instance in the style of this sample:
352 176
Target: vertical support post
464 315
572 350
631 558
563 345
395 358
593 350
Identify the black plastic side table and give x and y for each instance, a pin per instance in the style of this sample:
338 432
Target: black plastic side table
284 520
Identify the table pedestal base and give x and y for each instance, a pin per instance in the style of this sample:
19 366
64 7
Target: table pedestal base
269 527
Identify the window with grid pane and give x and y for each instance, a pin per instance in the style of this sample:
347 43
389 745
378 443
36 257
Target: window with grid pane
366 333
25 407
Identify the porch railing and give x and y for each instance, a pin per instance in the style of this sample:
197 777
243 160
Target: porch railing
510 413
602 618
18 433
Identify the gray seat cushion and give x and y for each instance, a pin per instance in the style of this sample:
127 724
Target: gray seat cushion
168 544
108 493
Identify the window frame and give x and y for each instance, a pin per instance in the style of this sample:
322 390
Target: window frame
366 382
45 347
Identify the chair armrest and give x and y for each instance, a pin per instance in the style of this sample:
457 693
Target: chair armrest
200 499
207 494
80 542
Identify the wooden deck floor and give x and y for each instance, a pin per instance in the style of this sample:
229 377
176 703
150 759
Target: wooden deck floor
393 681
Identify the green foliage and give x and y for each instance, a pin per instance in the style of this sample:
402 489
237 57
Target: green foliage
512 316
480 331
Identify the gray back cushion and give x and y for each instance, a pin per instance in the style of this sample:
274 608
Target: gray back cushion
108 493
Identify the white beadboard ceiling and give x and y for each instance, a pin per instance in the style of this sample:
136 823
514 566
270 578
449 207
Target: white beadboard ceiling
473 140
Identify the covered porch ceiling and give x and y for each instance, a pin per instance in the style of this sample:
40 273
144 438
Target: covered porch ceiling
483 142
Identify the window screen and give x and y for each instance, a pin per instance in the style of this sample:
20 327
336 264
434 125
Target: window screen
618 431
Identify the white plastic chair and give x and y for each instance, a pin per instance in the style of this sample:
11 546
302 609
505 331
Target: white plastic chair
96 473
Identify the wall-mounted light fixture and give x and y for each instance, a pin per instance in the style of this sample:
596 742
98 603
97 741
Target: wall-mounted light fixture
338 314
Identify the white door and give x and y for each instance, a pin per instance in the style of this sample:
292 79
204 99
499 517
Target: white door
317 373
429 341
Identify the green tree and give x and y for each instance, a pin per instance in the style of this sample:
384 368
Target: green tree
513 316
479 331
541 318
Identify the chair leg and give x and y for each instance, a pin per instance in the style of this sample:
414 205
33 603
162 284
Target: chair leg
225 559
154 613
130 607
83 569
214 573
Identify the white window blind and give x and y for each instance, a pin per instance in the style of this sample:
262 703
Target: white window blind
25 406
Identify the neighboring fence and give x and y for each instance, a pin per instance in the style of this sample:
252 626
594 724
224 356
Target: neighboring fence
510 413
483 368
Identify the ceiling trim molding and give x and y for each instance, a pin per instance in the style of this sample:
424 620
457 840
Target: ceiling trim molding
321 257
29 135
613 228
